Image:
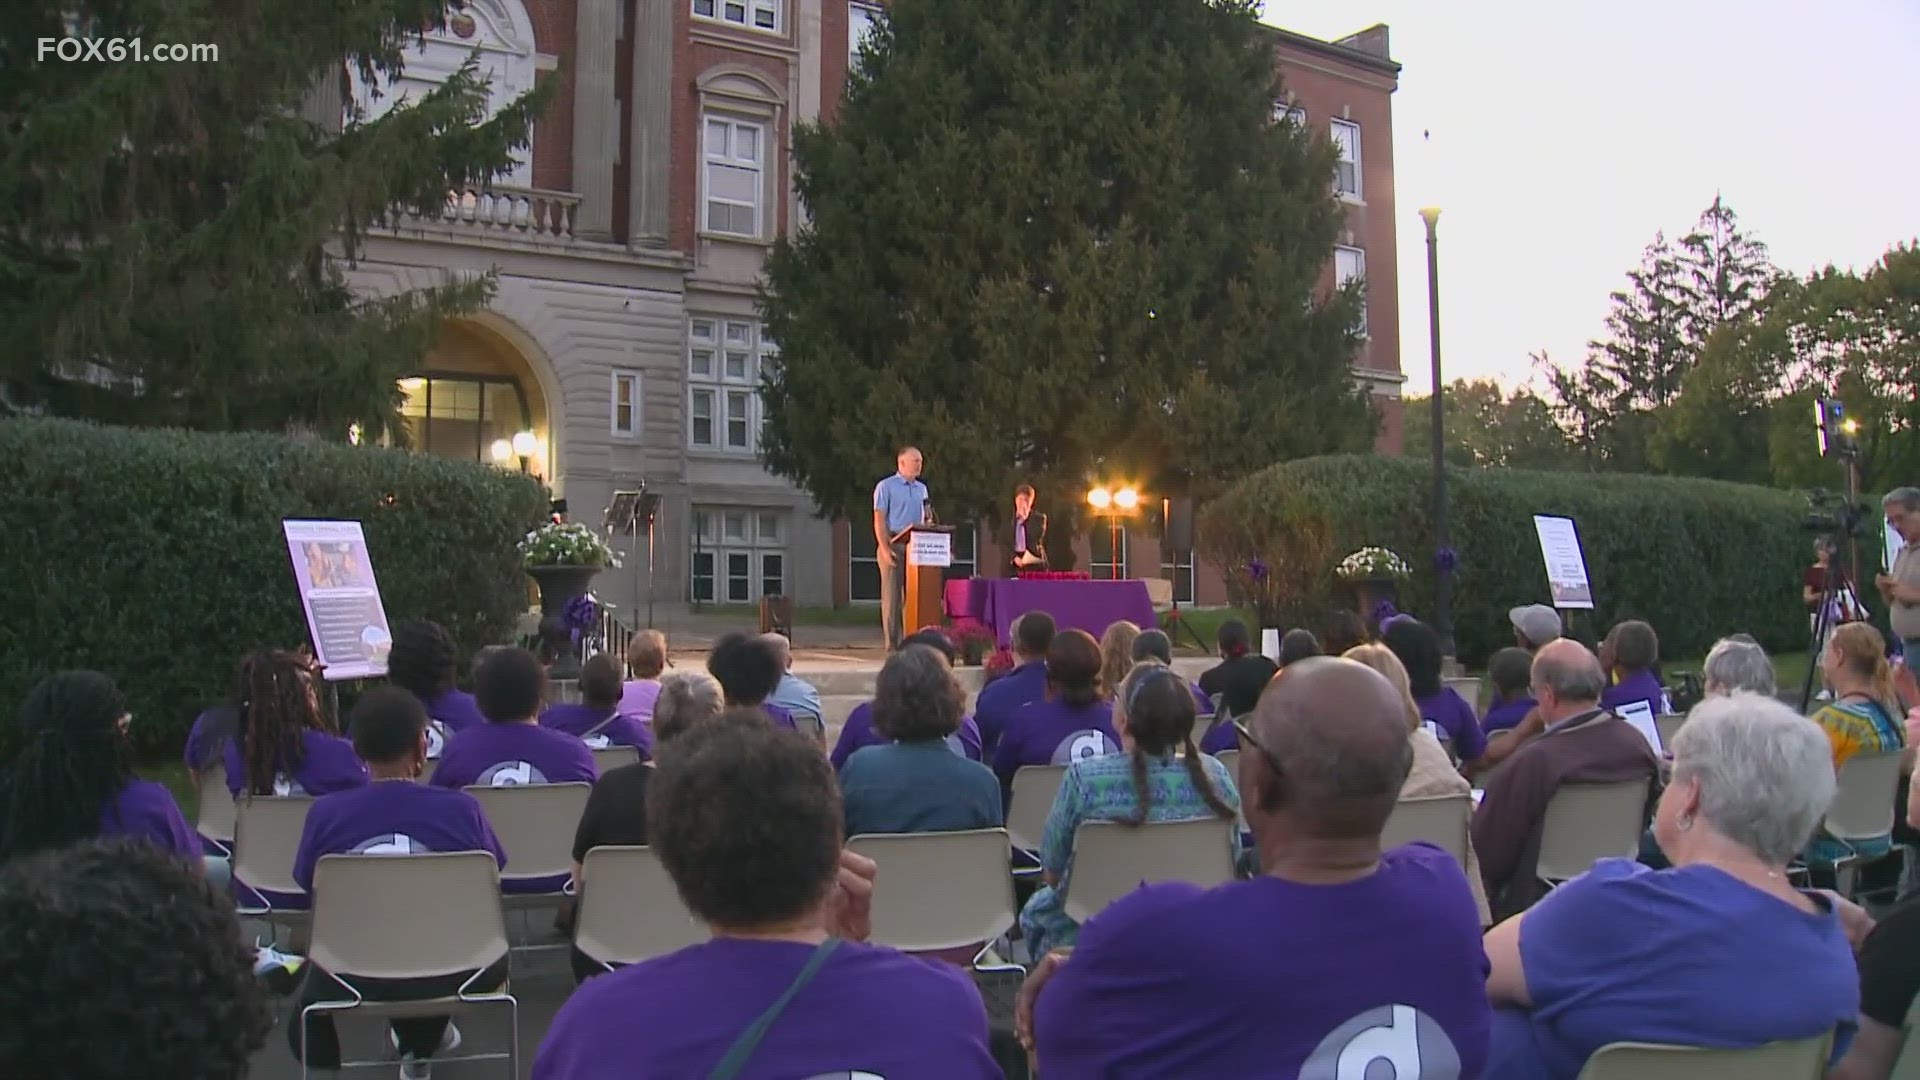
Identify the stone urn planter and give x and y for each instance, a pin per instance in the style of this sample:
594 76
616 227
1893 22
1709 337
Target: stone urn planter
560 585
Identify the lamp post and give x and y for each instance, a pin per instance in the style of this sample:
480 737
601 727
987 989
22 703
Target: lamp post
1443 583
1114 503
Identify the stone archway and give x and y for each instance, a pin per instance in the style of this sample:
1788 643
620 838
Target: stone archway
485 392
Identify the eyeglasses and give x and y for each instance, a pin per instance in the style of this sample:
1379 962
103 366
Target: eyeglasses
1273 763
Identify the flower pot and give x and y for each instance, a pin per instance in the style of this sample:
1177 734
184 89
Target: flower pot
560 586
1369 593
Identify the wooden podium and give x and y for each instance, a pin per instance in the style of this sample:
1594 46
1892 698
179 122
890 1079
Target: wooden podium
929 553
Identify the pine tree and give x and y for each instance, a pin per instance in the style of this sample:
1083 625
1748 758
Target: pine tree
172 235
1727 273
1053 242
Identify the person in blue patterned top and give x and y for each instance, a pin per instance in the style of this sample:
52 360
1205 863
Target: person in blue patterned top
1145 782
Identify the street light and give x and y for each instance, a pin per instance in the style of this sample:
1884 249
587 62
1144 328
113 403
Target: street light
1114 504
525 445
1443 583
502 451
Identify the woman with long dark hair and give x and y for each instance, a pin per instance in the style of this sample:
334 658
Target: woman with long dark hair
286 744
74 778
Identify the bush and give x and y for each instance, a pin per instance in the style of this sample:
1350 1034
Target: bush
157 556
1698 559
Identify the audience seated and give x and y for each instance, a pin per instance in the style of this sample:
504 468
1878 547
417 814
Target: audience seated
1737 664
1070 723
423 661
1433 773
1116 657
921 781
1511 672
1336 957
1451 716
859 732
287 745
1032 635
393 815
1344 631
1629 656
1535 626
1298 644
746 818
117 961
795 694
1157 647
1160 776
73 776
646 659
1863 717
1240 676
597 720
1889 978
748 672
1579 742
1718 951
512 748
212 730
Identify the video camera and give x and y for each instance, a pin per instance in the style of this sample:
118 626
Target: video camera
1835 515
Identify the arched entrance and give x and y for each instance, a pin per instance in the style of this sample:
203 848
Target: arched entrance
476 397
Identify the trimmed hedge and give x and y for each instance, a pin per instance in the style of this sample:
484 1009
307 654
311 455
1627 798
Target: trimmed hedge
157 556
1698 559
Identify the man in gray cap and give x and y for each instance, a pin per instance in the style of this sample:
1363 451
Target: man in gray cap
1534 625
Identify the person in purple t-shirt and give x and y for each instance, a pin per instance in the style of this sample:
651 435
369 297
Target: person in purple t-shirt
1337 958
1511 672
394 815
1448 715
1629 655
597 719
287 744
424 660
858 732
1071 724
512 749
748 670
73 779
747 820
1025 684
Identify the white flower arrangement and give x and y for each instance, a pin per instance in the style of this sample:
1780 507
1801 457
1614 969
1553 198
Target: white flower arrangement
1372 562
571 544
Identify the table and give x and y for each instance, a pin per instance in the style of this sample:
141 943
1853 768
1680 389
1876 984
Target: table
1075 605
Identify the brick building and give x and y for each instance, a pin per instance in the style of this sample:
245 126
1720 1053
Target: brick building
623 343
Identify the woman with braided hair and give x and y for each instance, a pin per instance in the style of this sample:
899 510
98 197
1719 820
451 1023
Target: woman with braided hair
1159 775
286 745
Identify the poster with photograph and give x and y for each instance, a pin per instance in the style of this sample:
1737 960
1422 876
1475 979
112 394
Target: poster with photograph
345 618
1566 566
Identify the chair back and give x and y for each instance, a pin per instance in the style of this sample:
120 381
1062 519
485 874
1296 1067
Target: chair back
407 916
1034 787
266 837
606 758
214 819
1442 820
535 824
1798 1059
1111 859
1669 725
1468 687
1863 807
630 910
945 889
1587 822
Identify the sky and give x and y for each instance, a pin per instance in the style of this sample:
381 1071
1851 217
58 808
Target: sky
1558 137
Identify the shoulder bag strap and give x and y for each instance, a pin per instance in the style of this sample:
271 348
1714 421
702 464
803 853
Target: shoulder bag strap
595 729
742 1049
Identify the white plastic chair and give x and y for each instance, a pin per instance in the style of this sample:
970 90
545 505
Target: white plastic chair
1799 1059
216 815
1111 859
608 758
1863 809
944 890
1034 789
1588 822
1443 820
266 838
630 910
535 824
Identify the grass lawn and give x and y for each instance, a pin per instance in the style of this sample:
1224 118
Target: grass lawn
855 615
173 774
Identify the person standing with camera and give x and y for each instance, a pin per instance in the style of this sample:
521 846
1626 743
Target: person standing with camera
1901 587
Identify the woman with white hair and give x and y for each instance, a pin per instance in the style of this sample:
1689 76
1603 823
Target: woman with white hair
1737 663
1693 955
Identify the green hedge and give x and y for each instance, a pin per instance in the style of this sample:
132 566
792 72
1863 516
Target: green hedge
1698 559
157 556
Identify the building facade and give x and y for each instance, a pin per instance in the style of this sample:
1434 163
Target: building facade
622 348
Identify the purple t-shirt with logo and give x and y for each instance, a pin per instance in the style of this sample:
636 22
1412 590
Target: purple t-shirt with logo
329 765
619 729
508 755
143 810
1453 722
392 818
858 734
869 1011
638 697
1003 697
1639 686
1507 715
456 710
1053 733
1272 978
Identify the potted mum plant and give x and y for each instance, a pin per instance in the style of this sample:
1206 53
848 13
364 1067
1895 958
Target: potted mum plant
562 558
1375 574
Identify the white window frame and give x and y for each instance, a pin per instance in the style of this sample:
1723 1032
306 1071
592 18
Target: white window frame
712 159
1103 571
860 21
1177 567
1283 111
1353 162
719 339
751 12
708 538
966 561
630 380
1356 272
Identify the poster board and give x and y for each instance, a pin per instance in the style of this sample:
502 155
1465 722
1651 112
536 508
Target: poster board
1566 565
346 621
930 547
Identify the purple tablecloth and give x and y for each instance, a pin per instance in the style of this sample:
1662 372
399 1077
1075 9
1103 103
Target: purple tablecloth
1075 605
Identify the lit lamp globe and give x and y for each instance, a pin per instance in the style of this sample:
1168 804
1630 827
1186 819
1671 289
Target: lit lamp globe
502 451
1126 499
1099 498
526 444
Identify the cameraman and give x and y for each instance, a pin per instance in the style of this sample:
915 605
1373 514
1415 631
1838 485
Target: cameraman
1901 588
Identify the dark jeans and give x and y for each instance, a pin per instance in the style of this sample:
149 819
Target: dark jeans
416 1035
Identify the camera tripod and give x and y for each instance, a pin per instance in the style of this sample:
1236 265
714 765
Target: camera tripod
1823 622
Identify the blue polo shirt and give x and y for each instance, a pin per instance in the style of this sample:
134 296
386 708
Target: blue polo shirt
904 502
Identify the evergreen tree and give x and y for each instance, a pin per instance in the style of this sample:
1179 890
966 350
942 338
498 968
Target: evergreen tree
172 235
1727 273
1053 242
1488 428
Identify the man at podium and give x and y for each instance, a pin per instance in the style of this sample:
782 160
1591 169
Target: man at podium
899 503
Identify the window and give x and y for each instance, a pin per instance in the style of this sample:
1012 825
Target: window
1346 174
733 177
1350 264
861 20
626 403
758 14
461 416
1291 113
724 360
739 554
1100 567
1177 567
863 579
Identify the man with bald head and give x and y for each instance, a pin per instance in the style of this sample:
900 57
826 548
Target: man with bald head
1580 743
795 694
1336 957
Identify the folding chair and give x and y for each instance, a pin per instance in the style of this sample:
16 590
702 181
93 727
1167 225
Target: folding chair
1468 687
1588 822
1863 810
630 910
1111 858
410 917
1669 726
1798 1059
1034 789
945 889
215 817
535 824
266 837
613 757
1443 820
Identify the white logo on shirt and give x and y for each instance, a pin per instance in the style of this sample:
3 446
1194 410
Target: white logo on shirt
597 742
285 786
1409 1043
512 774
1082 745
1435 730
390 844
848 1076
436 739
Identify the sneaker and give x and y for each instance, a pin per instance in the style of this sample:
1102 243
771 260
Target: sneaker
280 971
420 1067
